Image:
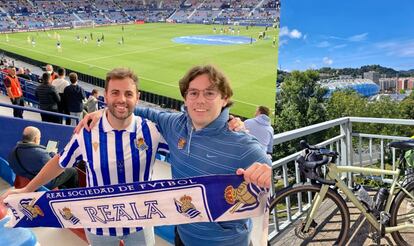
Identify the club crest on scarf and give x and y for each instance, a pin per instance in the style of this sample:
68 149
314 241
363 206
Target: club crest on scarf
67 215
140 144
186 207
245 197
181 143
30 210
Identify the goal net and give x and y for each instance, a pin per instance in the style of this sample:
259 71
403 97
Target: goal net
84 23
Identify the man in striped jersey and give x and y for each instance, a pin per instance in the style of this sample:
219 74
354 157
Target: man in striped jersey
121 148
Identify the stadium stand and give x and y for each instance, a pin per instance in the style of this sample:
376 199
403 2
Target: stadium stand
38 14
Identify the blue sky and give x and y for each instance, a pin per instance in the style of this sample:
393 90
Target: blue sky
346 33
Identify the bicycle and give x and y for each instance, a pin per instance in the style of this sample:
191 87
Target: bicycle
318 210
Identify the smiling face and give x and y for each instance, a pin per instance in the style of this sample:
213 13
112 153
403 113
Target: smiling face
121 97
203 108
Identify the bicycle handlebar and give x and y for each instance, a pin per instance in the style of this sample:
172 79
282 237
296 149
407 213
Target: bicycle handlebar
313 164
309 168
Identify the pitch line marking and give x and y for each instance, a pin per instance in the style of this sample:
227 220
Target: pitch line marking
133 52
107 69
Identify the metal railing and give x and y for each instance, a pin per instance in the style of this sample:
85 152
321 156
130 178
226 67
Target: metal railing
354 148
35 110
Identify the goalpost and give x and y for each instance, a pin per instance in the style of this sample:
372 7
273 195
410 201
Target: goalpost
84 23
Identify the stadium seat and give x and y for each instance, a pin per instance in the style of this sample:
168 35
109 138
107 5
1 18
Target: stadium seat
166 232
21 182
80 232
6 172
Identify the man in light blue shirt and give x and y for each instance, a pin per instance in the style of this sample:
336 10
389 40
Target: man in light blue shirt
261 129
200 143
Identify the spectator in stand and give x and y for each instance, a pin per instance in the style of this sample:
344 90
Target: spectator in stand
48 99
14 90
49 69
22 74
28 157
74 96
92 103
60 84
260 128
33 77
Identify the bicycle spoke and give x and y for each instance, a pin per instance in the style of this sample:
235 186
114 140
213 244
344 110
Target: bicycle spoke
326 227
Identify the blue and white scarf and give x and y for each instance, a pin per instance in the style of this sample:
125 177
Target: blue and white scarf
151 203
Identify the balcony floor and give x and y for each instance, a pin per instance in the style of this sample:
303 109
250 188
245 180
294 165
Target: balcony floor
359 230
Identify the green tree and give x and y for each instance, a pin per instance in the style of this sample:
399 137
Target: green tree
406 110
346 103
385 107
299 104
301 97
407 107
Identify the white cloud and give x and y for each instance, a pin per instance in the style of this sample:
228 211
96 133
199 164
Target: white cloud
334 37
358 37
295 34
327 61
282 42
283 31
339 46
398 48
323 44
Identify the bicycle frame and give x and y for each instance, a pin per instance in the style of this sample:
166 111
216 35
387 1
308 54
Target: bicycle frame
334 174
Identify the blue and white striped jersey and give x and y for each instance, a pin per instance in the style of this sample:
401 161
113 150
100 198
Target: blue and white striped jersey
115 157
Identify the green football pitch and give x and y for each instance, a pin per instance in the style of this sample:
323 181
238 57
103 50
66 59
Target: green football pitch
149 49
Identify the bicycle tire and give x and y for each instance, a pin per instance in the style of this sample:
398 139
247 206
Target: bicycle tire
400 206
332 222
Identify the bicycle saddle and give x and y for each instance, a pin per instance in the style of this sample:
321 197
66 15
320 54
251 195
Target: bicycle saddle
403 145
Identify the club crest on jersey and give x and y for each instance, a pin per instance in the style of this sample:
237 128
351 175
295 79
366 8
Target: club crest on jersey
95 146
67 215
181 143
186 207
240 196
140 144
28 208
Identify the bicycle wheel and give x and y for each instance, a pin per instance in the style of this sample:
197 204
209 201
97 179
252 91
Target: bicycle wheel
402 212
330 224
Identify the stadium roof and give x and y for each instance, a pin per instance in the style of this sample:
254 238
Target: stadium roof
365 87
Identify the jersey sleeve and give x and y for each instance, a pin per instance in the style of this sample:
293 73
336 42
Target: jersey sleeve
71 153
